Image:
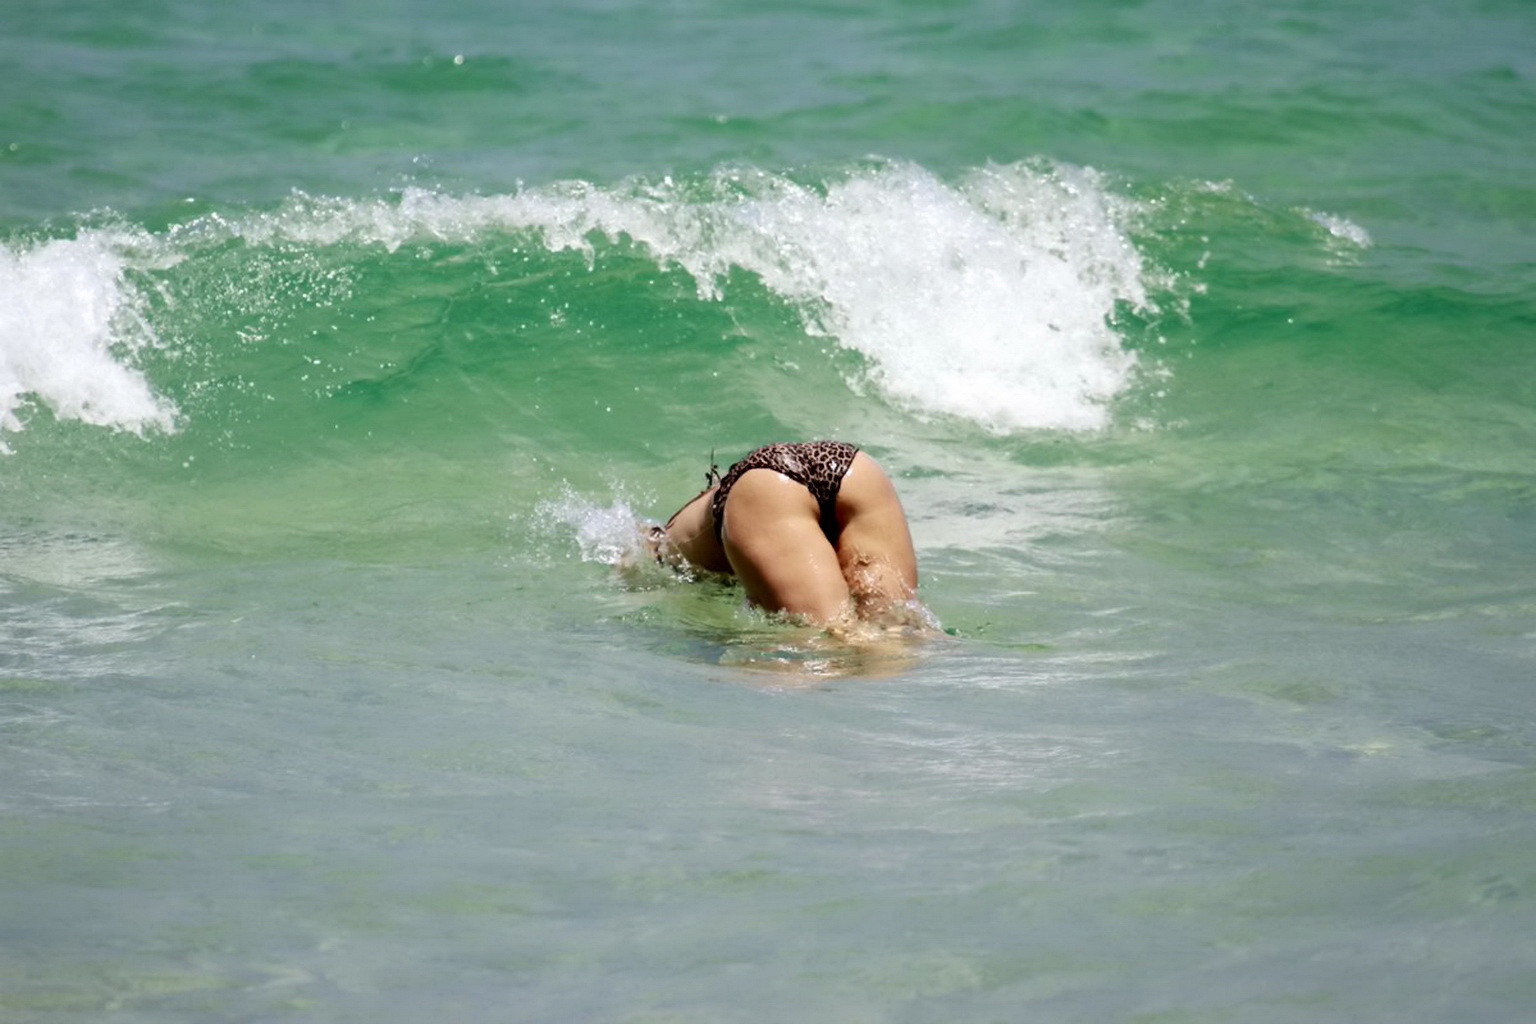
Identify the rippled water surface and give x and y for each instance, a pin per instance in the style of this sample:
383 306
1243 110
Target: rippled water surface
341 350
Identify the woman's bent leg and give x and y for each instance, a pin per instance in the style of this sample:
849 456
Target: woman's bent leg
875 546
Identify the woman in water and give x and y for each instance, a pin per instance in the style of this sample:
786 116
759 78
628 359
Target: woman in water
812 529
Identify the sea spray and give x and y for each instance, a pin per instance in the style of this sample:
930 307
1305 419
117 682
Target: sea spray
69 325
607 534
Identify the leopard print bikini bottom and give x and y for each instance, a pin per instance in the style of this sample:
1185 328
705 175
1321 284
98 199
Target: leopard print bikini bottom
819 465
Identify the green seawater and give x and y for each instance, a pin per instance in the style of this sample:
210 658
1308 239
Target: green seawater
342 347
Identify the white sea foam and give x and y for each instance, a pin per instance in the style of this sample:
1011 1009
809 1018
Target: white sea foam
68 321
991 299
1341 228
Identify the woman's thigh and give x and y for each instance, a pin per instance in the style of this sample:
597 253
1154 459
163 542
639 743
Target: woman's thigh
773 539
875 546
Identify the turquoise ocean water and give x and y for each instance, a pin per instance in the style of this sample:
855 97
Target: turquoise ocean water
342 344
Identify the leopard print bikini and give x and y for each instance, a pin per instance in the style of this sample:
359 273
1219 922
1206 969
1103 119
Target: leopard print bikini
819 465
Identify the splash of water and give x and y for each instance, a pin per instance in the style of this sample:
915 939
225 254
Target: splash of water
69 324
607 534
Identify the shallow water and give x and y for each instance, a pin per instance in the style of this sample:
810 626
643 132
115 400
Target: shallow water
339 354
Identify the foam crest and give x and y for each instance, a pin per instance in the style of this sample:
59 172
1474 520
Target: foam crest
990 300
69 323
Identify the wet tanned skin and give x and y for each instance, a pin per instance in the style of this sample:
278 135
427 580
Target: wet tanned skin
771 539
